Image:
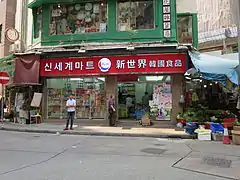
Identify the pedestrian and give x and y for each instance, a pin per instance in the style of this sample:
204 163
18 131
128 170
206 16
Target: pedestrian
71 108
111 111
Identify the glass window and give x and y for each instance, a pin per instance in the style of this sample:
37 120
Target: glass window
185 35
134 15
38 23
78 18
88 92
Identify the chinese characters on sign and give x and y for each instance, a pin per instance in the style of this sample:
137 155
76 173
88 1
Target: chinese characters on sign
142 63
164 63
167 18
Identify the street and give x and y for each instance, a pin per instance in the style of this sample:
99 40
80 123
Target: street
32 156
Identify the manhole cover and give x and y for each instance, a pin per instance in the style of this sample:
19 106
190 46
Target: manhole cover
153 151
212 161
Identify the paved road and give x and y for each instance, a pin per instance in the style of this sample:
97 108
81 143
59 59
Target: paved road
27 156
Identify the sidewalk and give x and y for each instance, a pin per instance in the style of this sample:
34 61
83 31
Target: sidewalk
97 130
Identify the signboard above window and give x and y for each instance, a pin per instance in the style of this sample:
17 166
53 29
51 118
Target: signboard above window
114 65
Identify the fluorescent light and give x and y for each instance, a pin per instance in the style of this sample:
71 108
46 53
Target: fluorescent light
130 48
154 78
76 79
81 50
38 53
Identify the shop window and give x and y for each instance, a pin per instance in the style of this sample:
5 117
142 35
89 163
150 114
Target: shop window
78 18
135 15
88 92
185 30
38 22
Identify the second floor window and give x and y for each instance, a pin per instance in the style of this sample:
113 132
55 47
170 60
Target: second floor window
38 23
78 18
185 31
135 15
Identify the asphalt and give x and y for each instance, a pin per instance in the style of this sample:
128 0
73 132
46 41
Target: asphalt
65 157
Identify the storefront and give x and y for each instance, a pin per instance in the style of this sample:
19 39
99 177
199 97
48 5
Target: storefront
152 94
92 80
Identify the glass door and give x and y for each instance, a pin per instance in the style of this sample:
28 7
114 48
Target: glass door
90 97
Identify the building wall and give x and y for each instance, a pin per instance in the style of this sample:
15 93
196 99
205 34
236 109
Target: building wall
213 17
7 19
21 23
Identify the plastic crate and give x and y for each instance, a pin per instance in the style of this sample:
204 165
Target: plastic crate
216 128
217 136
204 134
236 137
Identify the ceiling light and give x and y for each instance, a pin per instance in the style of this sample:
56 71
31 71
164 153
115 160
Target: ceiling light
82 50
130 48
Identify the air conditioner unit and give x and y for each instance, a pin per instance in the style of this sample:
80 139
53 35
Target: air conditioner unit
15 48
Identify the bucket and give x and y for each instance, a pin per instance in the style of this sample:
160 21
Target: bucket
236 137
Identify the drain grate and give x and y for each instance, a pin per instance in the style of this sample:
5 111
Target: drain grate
153 151
220 162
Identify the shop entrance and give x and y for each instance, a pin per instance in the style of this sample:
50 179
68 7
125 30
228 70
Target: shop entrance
147 95
88 92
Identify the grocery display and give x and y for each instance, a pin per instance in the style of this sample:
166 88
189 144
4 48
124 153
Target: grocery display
54 103
89 103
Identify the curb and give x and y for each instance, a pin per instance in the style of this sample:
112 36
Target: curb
90 133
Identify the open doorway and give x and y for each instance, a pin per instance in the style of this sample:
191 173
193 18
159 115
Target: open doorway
148 94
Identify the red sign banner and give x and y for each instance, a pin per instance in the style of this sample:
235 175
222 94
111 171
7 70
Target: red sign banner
114 65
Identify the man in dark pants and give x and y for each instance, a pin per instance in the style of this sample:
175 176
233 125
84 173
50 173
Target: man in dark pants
71 106
111 111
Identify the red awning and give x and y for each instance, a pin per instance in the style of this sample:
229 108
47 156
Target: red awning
27 69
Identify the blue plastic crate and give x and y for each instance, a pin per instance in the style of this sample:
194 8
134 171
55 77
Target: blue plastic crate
139 114
216 128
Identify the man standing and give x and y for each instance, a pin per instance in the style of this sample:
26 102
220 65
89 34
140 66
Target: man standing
111 110
71 106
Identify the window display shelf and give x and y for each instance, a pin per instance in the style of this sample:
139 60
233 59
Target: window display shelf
54 103
90 102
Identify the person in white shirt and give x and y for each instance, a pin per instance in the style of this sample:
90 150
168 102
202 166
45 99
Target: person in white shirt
71 108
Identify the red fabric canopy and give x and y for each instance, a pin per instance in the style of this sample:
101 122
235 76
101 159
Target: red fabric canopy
27 69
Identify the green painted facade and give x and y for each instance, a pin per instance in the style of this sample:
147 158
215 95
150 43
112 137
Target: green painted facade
112 35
